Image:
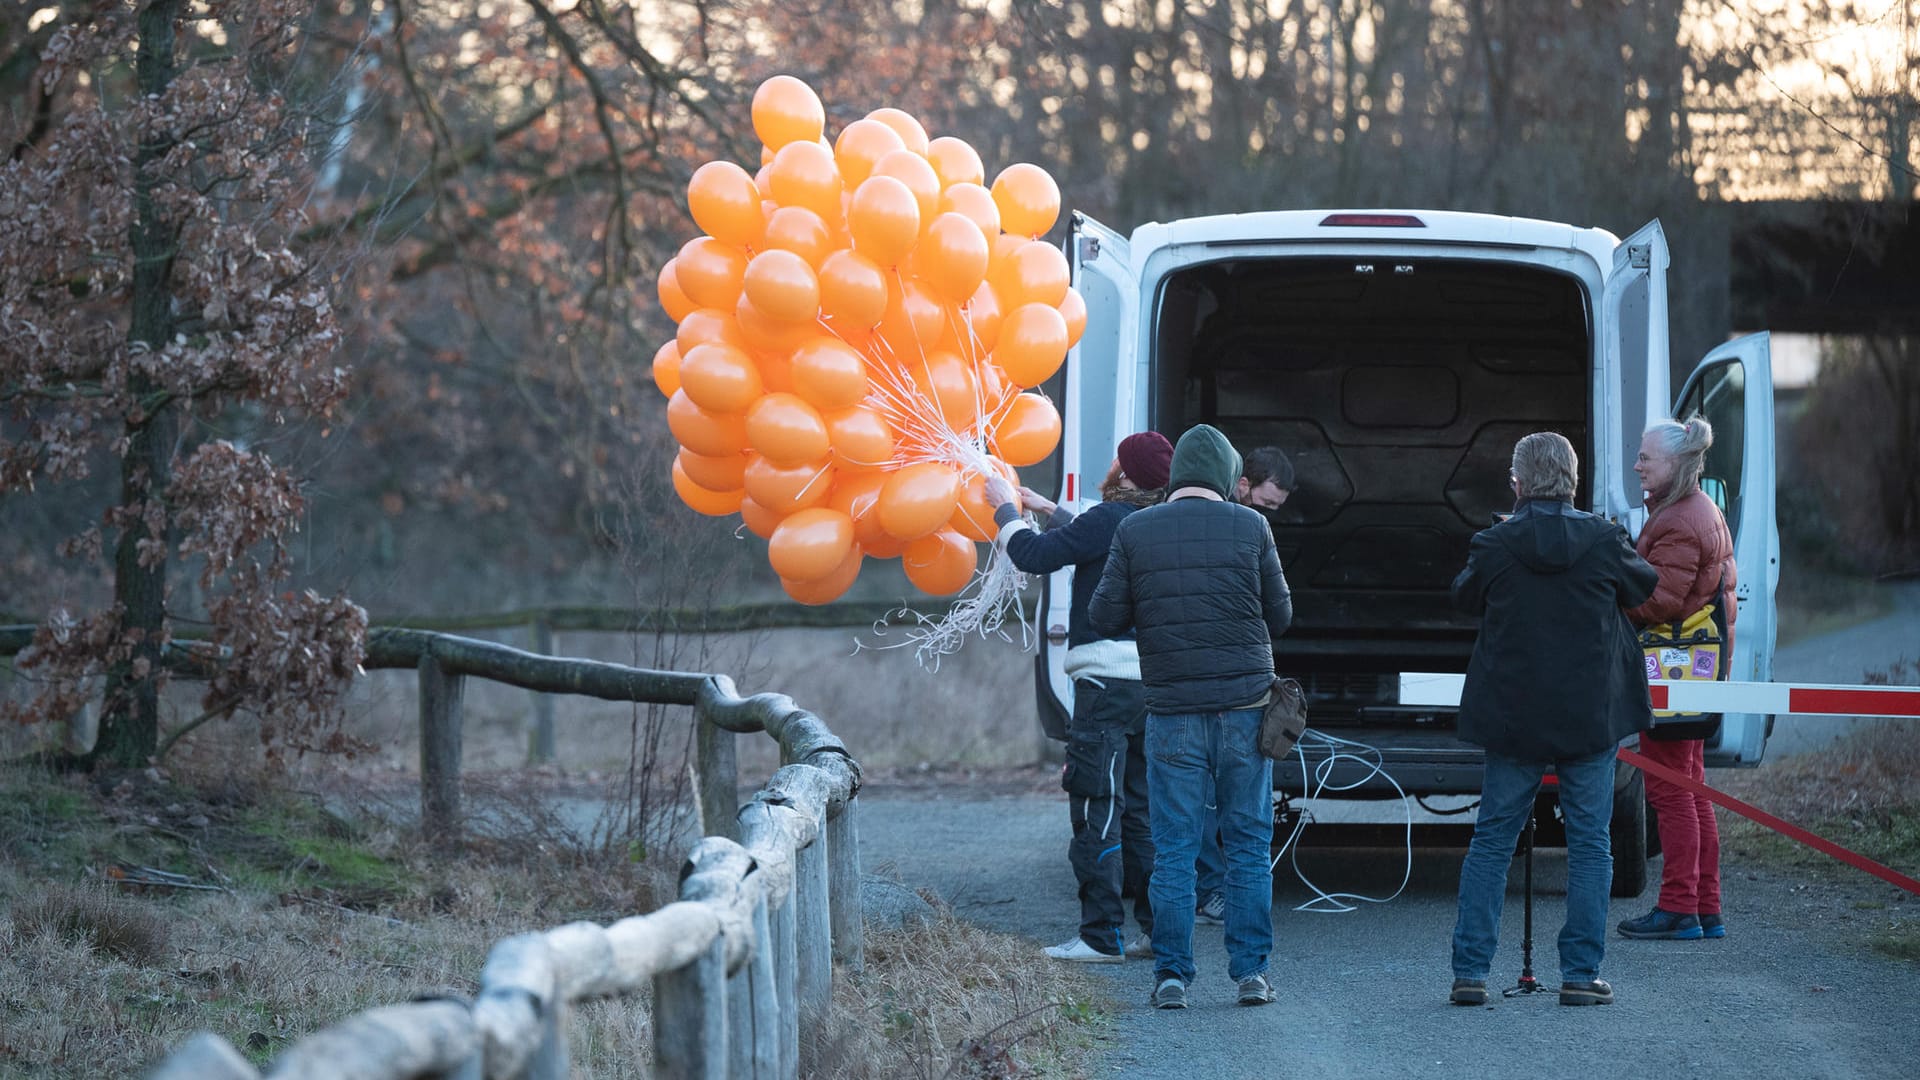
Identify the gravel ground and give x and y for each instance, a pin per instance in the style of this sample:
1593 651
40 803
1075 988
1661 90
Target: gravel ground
1793 991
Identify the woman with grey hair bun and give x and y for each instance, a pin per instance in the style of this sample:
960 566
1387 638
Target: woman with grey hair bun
1687 541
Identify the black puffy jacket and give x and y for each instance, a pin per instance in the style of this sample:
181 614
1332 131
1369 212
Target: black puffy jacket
1199 582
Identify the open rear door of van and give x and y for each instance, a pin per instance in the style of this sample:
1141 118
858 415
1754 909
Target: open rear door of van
1733 389
1099 377
1633 382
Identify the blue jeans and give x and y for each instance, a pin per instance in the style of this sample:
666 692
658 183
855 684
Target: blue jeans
1506 798
1211 866
1188 754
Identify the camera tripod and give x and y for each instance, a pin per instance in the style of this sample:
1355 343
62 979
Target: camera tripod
1527 984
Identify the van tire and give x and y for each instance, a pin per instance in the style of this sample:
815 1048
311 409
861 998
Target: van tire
1628 833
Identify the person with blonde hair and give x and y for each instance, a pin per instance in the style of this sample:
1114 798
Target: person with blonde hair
1687 541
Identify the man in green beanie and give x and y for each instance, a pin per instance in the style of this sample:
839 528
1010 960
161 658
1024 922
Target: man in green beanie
1198 581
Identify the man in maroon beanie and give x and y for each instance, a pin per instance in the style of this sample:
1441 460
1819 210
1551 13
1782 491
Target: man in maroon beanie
1106 774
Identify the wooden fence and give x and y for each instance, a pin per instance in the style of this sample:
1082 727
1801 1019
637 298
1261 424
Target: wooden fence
769 901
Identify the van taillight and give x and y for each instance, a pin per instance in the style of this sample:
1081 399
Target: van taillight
1380 221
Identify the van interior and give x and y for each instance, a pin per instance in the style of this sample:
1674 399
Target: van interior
1398 388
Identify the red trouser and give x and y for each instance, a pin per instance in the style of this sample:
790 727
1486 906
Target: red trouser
1689 836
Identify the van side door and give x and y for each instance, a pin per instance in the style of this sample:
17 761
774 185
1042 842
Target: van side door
1633 382
1103 273
1733 389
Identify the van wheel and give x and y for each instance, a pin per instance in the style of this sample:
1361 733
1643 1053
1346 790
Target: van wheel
1628 832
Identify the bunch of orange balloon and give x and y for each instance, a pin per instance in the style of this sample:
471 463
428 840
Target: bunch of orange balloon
860 329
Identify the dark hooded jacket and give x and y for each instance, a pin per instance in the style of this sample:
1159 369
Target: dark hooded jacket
1199 582
1557 670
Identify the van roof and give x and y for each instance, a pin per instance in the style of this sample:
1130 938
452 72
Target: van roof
1435 226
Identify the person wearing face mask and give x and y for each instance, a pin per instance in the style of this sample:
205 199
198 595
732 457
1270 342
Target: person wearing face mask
1106 771
1266 479
1687 541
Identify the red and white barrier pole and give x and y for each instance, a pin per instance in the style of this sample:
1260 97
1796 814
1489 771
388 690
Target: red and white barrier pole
1784 699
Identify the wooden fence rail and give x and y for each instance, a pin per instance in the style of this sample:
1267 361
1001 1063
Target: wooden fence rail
769 901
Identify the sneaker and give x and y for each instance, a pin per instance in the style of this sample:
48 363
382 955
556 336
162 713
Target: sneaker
1663 925
1079 952
1712 926
1255 990
1469 992
1140 948
1212 910
1171 993
1597 992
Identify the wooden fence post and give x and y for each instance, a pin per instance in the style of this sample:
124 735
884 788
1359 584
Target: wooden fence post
813 936
540 744
785 971
690 1018
439 754
843 888
753 1009
718 770
550 1059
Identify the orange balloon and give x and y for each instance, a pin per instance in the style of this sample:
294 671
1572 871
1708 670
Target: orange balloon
803 174
1028 198
709 324
860 146
710 503
759 520
861 438
786 430
829 374
673 300
705 433
810 544
912 135
1028 432
720 378
783 489
913 322
776 371
912 170
972 513
853 289
1036 273
787 110
955 162
666 368
799 230
884 219
765 334
949 383
953 257
725 203
714 473
1033 342
918 500
858 496
763 178
996 390
829 588
981 315
1074 309
976 203
941 564
710 271
781 285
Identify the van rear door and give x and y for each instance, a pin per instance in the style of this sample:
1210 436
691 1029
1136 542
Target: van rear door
1099 378
1633 382
1733 388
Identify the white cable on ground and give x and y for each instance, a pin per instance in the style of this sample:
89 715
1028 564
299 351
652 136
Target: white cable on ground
1333 902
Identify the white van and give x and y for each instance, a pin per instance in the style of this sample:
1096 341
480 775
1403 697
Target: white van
1397 356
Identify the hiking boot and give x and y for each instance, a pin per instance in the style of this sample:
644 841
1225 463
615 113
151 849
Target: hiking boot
1597 992
1661 924
1079 952
1254 990
1140 948
1212 909
1712 926
1171 993
1469 992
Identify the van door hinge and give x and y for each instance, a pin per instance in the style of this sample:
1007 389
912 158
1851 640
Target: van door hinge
1640 256
1089 249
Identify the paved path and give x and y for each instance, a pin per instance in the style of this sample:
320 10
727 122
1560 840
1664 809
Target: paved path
1845 657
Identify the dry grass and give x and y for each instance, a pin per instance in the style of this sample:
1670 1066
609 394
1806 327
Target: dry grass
97 919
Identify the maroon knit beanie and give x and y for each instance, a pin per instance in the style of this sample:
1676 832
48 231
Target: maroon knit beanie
1146 458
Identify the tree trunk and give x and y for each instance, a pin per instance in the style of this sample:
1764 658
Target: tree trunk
129 724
